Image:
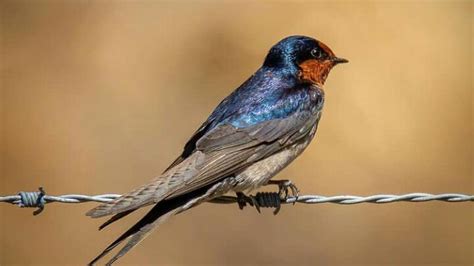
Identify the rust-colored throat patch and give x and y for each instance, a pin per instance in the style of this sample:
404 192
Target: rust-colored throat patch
315 71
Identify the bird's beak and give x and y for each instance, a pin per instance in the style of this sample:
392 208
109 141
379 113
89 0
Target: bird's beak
338 60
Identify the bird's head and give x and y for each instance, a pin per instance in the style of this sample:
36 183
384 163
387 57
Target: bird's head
309 59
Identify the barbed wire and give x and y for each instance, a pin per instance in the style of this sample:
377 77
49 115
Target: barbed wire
39 198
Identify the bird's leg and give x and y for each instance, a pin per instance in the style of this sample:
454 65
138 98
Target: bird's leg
283 188
243 199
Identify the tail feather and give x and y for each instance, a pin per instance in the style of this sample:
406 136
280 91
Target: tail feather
136 238
152 192
138 197
157 215
115 218
148 219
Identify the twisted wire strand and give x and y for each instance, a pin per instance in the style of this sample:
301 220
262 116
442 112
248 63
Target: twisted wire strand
381 198
39 199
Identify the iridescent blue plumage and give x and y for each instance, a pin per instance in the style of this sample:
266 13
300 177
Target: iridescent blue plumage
267 95
273 92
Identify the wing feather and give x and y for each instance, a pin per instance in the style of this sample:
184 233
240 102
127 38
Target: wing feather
154 191
220 153
240 147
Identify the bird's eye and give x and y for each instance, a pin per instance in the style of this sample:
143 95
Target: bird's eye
317 53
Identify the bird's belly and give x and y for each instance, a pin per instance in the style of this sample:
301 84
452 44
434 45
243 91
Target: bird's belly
261 172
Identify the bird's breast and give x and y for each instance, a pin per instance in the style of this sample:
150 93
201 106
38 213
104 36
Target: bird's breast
260 172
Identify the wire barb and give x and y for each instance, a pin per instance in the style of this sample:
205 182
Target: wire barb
33 199
38 199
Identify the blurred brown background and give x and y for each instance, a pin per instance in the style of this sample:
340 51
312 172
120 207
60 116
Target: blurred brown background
99 97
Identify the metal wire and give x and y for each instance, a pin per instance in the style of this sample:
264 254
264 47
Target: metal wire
381 198
39 199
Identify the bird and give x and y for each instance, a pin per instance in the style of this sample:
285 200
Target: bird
255 132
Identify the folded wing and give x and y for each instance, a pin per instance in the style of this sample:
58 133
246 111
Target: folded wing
218 154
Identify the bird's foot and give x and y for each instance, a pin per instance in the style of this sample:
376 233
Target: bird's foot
284 187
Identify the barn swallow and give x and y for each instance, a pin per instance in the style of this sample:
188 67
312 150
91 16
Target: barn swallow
251 135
